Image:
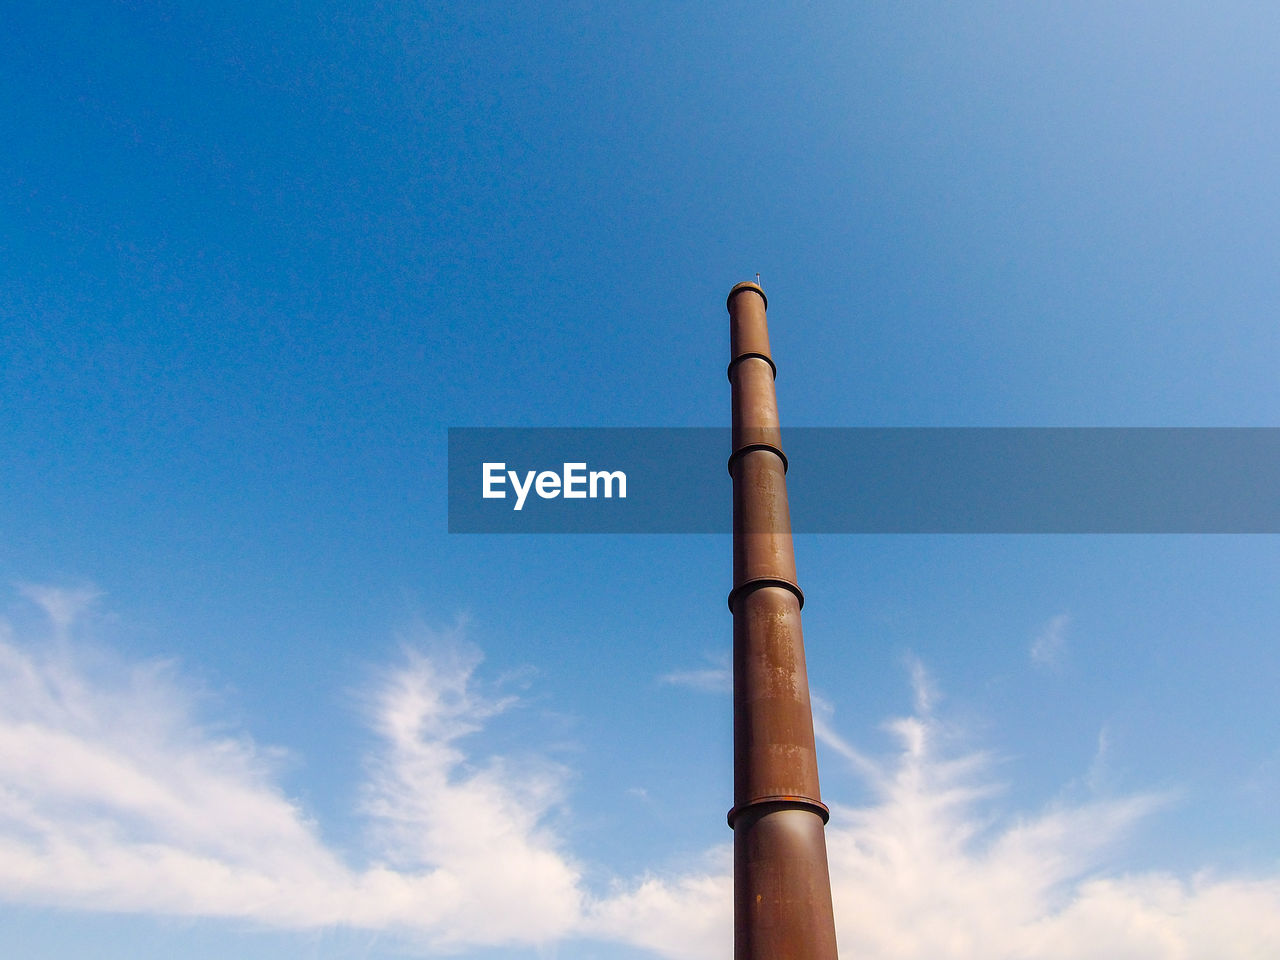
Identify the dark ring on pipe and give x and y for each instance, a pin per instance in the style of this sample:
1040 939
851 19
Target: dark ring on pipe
748 447
782 803
755 583
750 356
745 285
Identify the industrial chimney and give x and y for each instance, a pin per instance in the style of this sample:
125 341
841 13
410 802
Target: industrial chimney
782 890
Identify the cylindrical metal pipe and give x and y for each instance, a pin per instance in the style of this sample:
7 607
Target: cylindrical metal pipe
782 890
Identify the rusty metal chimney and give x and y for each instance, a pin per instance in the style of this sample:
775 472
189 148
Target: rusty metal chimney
782 890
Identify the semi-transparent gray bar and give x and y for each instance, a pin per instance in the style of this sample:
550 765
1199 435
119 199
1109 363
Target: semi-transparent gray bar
872 480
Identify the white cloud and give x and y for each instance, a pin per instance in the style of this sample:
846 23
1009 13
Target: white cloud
717 678
465 844
922 872
114 796
686 917
1050 644
711 680
1098 774
825 733
925 872
62 605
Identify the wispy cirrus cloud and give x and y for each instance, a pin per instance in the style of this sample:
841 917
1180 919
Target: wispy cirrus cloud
116 796
684 916
923 871
1050 643
716 677
463 839
62 605
929 870
709 680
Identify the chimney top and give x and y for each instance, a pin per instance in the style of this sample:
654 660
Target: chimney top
746 285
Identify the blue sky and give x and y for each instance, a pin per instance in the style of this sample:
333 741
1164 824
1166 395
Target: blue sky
254 699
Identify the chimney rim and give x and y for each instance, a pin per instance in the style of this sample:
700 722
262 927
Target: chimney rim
746 285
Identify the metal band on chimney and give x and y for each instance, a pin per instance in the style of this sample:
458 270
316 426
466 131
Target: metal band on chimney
748 447
755 583
779 803
750 356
